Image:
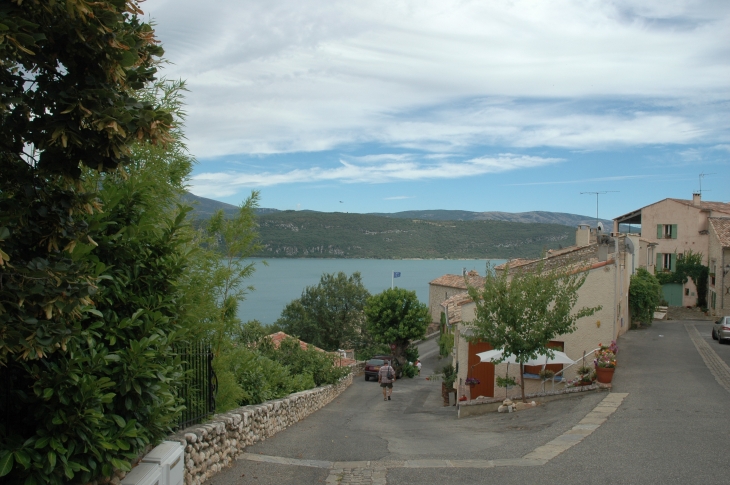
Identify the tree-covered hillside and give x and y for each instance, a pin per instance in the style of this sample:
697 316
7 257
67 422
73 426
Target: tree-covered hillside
303 234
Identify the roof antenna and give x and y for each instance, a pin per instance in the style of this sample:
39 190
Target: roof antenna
702 175
597 194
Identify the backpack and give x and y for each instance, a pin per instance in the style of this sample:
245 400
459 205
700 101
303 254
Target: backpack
390 373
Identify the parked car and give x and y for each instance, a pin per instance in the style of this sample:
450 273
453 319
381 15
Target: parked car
393 363
721 329
372 367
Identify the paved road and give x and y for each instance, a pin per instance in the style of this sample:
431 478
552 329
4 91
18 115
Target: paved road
666 424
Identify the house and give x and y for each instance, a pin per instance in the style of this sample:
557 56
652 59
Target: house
669 229
341 360
718 298
446 286
607 262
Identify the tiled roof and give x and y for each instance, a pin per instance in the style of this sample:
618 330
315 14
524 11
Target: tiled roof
453 306
713 206
457 281
278 337
721 225
513 263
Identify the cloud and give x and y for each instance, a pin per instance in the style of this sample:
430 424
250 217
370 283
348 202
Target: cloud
617 178
350 171
285 76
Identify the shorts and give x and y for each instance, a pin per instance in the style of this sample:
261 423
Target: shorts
389 384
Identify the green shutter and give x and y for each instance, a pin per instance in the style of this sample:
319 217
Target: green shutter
659 231
674 231
673 262
658 268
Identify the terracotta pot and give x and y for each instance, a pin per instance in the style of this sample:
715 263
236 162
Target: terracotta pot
604 374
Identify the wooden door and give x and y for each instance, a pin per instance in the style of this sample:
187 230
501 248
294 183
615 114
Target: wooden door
484 371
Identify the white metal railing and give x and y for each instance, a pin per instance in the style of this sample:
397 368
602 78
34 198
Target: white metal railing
583 363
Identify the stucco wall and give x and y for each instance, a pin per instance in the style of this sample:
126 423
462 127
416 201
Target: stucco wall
606 286
721 257
437 294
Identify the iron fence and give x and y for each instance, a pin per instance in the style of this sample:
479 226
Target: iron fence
199 384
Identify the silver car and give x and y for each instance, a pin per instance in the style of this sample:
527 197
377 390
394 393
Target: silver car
721 329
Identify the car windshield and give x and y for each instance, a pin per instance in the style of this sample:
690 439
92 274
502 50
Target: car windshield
376 362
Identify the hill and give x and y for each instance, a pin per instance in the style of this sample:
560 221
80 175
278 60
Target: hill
300 234
543 217
204 208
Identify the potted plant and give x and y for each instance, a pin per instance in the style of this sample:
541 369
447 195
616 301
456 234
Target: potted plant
546 375
605 362
507 382
447 376
585 376
471 381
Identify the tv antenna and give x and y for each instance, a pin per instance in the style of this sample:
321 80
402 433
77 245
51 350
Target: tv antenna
597 194
702 175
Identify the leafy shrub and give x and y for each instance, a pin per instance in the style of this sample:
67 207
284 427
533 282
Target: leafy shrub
446 343
410 370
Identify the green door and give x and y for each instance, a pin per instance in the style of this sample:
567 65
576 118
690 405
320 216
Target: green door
672 292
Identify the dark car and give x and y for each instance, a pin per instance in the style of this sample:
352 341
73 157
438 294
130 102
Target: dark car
393 363
372 367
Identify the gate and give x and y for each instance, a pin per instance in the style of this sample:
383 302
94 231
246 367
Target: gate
672 292
199 383
484 371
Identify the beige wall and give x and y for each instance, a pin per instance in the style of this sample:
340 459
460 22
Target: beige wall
606 286
692 226
437 294
720 257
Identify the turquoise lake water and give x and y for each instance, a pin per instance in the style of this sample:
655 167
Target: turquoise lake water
283 280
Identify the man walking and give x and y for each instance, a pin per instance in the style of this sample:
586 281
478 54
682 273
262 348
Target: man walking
386 377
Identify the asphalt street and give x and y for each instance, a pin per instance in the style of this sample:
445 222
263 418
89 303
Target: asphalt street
670 428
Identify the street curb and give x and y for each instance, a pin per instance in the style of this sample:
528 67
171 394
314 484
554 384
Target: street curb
427 337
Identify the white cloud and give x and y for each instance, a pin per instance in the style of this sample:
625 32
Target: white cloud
446 75
224 184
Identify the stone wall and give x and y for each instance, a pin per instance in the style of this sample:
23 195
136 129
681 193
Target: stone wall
214 445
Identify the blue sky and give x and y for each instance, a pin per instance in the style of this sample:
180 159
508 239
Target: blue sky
506 105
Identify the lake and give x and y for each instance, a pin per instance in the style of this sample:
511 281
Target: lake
283 280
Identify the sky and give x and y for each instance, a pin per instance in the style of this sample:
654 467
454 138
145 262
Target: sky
506 105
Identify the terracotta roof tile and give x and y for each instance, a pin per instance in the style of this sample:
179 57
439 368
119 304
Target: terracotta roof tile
709 205
721 225
453 306
513 263
457 281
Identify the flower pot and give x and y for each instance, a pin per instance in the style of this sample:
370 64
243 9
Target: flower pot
605 374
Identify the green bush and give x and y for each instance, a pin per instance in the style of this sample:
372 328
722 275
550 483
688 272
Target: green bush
446 343
410 370
645 294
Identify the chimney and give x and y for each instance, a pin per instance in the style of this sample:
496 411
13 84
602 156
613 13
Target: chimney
583 235
697 199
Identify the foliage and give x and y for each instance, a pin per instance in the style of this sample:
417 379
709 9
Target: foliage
645 293
367 353
446 343
256 373
395 316
606 356
546 374
330 314
410 370
689 266
522 315
411 353
106 386
448 375
506 381
308 234
472 381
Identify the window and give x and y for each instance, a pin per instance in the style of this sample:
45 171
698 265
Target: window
667 261
713 267
666 231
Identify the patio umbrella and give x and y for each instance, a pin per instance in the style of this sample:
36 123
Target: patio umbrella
557 358
492 355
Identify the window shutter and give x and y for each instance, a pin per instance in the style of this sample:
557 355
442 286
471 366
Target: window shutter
659 261
674 231
659 231
673 262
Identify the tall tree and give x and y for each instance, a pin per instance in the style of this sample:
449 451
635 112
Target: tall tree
523 314
396 317
329 314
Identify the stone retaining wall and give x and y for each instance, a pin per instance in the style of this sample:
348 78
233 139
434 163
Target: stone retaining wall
211 446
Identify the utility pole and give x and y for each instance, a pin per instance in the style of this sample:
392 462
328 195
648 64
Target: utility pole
597 194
